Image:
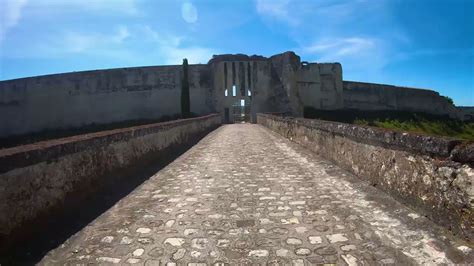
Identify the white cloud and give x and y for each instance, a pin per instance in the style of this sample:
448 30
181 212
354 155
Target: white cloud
77 42
161 39
338 48
47 7
131 45
172 49
304 13
277 9
189 12
337 30
366 56
195 55
12 11
10 14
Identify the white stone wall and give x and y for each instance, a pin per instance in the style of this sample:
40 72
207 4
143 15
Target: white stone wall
320 85
36 179
280 83
431 174
261 85
370 96
72 100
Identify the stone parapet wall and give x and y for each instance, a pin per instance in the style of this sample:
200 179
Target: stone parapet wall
37 178
432 174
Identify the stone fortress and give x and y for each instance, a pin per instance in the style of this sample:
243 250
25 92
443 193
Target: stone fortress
283 189
236 86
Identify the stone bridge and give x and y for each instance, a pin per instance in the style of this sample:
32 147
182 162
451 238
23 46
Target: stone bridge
245 195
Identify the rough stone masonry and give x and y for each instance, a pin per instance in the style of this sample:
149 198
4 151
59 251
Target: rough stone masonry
280 83
435 175
244 196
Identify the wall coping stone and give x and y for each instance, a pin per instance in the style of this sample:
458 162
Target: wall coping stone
92 71
24 155
386 86
444 147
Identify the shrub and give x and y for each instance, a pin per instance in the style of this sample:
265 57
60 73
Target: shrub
449 99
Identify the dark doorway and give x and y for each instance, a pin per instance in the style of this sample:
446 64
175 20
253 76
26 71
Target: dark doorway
226 115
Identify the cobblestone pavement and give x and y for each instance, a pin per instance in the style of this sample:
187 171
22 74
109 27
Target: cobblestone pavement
244 195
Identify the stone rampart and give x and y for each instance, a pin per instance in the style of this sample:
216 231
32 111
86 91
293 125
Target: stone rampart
432 174
37 178
372 96
74 100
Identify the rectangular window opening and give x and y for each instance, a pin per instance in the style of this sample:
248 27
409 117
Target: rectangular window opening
234 90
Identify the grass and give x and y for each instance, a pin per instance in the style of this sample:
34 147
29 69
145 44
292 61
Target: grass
400 121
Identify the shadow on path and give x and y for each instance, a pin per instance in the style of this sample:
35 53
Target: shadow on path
50 232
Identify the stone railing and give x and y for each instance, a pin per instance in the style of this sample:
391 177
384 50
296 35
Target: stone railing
434 175
37 178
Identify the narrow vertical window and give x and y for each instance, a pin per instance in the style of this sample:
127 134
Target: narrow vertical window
233 72
254 74
226 93
249 75
225 75
234 90
241 74
249 92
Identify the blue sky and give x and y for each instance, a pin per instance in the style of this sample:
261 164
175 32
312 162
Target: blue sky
417 43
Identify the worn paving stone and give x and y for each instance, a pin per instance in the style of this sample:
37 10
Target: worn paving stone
245 195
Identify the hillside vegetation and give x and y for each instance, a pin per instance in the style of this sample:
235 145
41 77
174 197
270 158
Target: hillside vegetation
401 121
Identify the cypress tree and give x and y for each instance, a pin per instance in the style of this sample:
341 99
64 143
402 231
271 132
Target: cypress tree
185 100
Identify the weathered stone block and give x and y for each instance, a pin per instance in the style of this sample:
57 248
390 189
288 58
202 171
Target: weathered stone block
432 174
36 178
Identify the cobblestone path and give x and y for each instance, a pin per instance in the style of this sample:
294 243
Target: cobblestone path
245 195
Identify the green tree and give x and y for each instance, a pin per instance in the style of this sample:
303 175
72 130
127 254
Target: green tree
450 100
185 100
